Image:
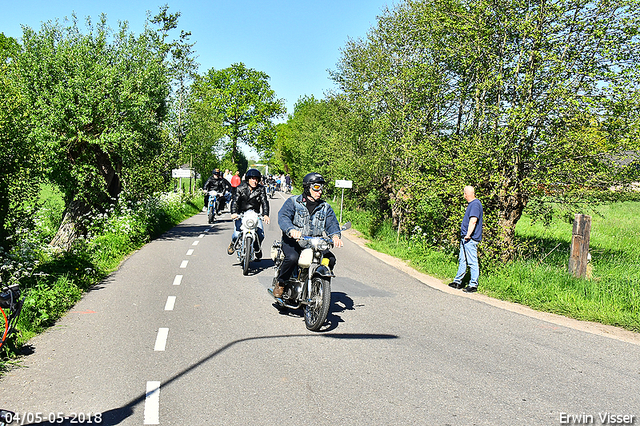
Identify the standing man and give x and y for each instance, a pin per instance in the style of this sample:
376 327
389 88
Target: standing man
471 235
287 182
235 182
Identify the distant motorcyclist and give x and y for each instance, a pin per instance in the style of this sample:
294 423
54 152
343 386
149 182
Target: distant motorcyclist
219 184
250 195
305 215
270 182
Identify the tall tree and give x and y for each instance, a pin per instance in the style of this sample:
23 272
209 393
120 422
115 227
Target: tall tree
513 97
183 69
19 172
98 101
243 103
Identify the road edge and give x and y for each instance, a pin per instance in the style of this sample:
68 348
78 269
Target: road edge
610 331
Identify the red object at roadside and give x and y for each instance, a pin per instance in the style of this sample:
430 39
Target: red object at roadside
235 181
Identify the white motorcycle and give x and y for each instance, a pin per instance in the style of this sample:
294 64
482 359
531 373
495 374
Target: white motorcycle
215 204
248 244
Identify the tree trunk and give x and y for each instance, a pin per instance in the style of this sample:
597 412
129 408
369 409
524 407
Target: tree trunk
511 204
71 227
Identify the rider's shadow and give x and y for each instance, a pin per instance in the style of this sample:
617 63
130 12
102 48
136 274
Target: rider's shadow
258 266
340 302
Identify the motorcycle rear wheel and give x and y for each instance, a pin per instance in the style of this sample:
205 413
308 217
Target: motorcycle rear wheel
247 254
317 309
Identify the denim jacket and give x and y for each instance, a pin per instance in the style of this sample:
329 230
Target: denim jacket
295 215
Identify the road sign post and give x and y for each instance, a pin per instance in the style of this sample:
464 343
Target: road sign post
343 184
182 173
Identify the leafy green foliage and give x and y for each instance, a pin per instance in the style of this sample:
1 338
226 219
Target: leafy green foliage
524 101
97 105
232 106
20 167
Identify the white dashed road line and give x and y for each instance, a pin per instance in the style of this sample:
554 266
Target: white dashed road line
161 339
152 404
152 398
171 301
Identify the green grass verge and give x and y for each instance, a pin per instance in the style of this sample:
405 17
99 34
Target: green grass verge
539 277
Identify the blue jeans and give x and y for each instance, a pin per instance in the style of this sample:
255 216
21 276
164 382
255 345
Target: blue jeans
468 257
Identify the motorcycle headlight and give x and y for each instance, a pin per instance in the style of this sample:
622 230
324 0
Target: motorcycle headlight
249 223
320 244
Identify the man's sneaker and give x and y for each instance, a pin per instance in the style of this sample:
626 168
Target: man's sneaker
470 289
231 249
456 285
278 290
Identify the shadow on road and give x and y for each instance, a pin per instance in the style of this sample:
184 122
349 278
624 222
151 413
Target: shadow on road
118 415
190 230
258 266
340 302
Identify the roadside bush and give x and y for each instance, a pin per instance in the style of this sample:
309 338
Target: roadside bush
44 304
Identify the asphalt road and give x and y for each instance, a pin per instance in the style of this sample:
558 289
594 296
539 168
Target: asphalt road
178 336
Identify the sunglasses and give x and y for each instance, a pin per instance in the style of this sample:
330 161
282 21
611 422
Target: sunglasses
317 187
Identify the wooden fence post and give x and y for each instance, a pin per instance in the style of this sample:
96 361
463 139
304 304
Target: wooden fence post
580 245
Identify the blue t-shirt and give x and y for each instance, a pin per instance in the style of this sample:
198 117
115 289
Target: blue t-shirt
474 209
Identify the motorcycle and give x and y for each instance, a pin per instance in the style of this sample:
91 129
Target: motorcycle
271 190
248 244
216 200
310 284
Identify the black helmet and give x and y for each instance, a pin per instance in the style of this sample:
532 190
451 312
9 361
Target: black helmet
216 172
252 173
312 178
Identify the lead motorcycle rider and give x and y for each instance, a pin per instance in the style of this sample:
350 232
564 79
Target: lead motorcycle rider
249 195
305 215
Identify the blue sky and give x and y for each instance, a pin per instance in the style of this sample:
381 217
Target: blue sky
294 42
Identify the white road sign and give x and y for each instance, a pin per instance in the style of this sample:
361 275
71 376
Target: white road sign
181 173
344 184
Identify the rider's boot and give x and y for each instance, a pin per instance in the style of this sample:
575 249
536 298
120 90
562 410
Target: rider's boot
232 248
278 289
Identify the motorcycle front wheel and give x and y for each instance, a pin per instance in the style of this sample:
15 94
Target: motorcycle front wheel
211 214
247 254
317 308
